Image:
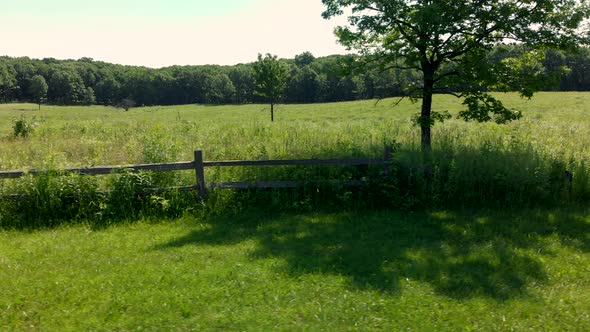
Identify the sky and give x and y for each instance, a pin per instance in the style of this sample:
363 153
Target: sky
159 33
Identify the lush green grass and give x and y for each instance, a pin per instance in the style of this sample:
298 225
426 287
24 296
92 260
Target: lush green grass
520 164
440 271
556 123
227 267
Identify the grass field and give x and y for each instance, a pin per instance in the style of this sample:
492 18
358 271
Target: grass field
475 165
384 271
556 123
497 241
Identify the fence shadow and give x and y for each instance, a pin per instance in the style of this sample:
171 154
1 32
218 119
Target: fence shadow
460 255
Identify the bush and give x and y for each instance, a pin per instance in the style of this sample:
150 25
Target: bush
23 127
126 104
50 198
127 197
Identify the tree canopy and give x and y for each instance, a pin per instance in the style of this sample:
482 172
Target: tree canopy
38 89
310 79
448 42
271 79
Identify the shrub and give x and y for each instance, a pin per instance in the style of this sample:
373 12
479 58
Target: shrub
126 104
49 198
23 127
127 196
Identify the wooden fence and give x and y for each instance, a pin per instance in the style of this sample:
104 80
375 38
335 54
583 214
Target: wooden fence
198 165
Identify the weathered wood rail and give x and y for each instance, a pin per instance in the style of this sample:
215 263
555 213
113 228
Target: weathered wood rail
198 165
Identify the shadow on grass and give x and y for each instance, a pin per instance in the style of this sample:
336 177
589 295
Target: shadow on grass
494 255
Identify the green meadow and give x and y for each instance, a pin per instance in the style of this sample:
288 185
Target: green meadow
499 239
553 123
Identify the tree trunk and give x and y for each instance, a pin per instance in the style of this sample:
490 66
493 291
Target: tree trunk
425 115
426 123
272 112
39 106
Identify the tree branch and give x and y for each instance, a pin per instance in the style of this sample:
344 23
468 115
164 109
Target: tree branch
449 92
451 73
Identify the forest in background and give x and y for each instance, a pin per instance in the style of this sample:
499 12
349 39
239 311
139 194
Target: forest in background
322 79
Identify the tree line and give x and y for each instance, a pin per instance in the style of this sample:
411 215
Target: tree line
310 79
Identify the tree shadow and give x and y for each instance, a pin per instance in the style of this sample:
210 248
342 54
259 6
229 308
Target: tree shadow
493 255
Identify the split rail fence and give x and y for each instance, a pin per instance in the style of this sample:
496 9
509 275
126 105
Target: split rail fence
198 165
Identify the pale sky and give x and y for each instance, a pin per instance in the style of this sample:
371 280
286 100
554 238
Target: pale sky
158 33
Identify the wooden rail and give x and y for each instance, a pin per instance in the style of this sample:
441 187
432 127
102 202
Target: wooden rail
102 170
198 165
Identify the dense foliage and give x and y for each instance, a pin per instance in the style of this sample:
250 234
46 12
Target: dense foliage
310 79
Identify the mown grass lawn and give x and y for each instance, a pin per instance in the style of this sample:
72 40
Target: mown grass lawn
392 271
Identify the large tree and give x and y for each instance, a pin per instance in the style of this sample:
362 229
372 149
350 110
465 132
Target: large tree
271 78
448 43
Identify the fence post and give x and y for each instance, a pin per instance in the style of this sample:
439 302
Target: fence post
200 172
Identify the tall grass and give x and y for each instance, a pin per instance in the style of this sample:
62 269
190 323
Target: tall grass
542 159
